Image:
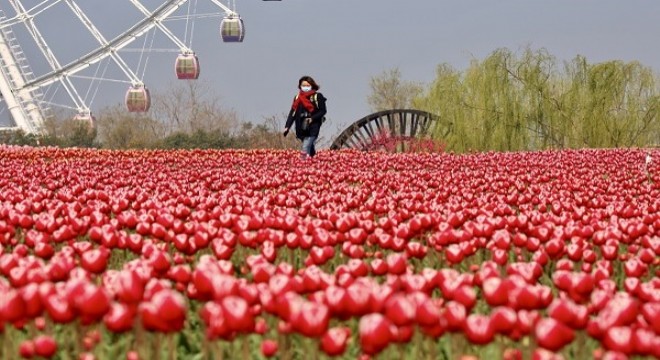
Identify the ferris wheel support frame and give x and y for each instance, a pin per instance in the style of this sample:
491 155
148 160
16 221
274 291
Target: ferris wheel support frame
48 53
183 47
110 47
224 7
31 13
22 93
12 99
102 40
22 105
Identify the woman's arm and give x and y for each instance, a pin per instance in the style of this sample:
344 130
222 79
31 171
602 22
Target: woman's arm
289 120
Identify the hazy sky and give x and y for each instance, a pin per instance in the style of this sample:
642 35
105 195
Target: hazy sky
343 43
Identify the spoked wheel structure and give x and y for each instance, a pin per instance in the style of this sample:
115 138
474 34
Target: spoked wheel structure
389 130
58 53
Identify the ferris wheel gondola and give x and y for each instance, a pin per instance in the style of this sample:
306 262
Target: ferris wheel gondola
232 28
85 117
187 67
138 98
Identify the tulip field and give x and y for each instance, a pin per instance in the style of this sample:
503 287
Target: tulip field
255 254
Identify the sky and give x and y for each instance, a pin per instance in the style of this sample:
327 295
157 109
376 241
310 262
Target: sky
345 43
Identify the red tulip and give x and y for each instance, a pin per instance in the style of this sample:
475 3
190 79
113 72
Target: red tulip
165 312
400 310
512 354
495 291
337 300
552 335
464 295
651 312
454 254
619 338
129 287
569 313
312 320
428 314
45 346
92 302
334 341
396 264
619 311
236 312
479 329
375 333
269 348
12 306
644 342
119 318
543 354
95 260
358 299
58 308
32 300
503 320
26 349
455 316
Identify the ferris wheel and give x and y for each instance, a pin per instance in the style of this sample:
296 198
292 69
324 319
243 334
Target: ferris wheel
68 76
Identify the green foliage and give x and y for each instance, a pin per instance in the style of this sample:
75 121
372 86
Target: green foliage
18 137
511 102
69 133
187 116
199 139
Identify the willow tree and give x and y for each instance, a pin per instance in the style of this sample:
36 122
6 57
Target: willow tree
444 98
614 104
523 102
493 103
481 108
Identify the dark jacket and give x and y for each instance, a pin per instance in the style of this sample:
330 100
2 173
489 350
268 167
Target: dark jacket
318 116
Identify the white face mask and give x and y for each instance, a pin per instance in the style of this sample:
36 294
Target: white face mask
305 88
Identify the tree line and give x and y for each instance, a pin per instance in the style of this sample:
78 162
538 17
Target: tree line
506 102
531 101
186 116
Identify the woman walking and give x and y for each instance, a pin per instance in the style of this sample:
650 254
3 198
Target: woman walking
307 114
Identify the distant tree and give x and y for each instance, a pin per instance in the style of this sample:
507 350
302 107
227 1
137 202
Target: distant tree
613 103
190 106
118 129
62 129
18 137
199 139
389 91
268 134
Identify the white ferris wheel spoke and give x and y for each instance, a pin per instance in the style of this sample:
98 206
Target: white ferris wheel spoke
26 93
112 46
101 39
224 7
162 27
48 53
34 11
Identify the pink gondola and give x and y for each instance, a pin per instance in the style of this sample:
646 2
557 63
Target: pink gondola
138 99
187 67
